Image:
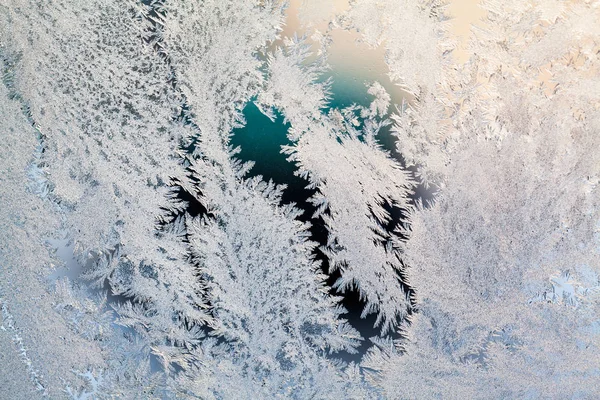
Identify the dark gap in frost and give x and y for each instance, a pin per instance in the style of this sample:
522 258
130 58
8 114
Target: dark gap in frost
260 141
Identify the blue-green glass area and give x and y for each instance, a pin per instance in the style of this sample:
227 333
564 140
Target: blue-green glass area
347 90
260 141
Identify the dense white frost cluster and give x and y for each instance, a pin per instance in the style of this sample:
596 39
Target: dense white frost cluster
188 277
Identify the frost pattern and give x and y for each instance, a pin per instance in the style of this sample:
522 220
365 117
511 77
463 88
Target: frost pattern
199 282
504 262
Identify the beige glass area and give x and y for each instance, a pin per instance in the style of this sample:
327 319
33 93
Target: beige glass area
350 56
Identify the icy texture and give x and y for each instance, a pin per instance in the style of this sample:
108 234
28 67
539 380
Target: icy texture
505 261
199 282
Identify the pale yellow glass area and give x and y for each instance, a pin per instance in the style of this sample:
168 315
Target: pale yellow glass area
347 55
464 13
